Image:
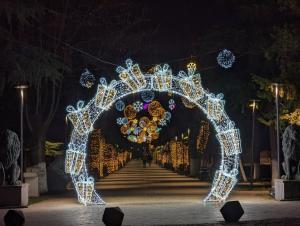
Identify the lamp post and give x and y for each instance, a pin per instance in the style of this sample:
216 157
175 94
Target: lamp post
276 86
253 105
182 137
21 88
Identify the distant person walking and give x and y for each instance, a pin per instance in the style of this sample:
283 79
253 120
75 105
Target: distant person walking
149 158
144 158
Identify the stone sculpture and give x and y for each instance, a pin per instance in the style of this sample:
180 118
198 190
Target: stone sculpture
291 152
9 154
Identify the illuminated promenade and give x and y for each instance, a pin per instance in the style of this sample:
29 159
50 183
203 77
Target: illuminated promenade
155 196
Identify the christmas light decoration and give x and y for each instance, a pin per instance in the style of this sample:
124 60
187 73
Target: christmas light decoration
138 106
143 129
187 103
225 58
172 104
132 80
87 79
203 135
147 96
293 117
120 121
120 105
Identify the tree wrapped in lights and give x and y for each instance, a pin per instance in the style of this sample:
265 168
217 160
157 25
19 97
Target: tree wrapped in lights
132 80
97 146
203 135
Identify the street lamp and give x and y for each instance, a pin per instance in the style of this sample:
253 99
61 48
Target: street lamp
253 105
21 88
276 87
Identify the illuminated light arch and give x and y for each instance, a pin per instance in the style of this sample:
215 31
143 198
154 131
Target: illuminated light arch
132 80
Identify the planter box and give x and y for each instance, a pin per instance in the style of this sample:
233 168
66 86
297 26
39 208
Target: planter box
287 189
33 181
14 196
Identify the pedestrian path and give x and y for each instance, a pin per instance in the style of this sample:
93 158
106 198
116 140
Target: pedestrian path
134 184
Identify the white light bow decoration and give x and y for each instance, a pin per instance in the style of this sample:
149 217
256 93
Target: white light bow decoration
132 80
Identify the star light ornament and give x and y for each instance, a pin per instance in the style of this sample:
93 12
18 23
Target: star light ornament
225 58
132 80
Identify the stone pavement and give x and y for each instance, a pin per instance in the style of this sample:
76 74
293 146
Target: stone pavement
155 196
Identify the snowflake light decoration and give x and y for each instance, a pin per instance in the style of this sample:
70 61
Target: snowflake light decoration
225 58
138 106
120 121
87 79
132 80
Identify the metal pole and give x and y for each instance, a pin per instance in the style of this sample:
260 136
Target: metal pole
21 133
277 131
252 144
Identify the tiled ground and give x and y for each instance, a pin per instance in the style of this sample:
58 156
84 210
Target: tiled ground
155 196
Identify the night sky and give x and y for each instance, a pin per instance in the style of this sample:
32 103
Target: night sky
156 32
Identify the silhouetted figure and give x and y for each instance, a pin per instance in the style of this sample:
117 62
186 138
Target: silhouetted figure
149 158
144 157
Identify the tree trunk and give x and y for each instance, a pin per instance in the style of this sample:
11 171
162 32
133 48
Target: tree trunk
38 150
38 140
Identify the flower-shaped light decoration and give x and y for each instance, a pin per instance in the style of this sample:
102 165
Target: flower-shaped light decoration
87 79
225 58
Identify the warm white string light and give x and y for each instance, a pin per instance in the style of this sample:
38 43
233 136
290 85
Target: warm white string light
132 80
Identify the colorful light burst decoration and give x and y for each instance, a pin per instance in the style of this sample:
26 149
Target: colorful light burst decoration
132 80
143 129
87 79
225 58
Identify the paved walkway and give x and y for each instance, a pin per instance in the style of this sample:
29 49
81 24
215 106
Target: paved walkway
155 196
134 184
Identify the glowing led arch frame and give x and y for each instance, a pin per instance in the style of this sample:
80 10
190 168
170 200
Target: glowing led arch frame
132 80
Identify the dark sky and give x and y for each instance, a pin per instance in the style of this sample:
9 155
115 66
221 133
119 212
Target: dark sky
170 30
